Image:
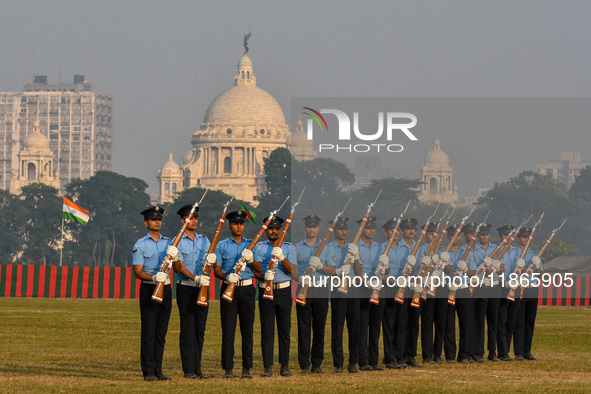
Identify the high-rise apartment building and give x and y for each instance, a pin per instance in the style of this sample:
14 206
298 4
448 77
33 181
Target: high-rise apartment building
76 121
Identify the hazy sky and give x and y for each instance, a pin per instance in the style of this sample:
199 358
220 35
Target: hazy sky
165 61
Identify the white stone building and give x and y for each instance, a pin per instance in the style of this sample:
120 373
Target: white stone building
566 169
437 178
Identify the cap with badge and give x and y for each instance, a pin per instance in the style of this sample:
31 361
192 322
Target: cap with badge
275 222
186 210
154 212
506 229
484 229
371 222
236 216
524 232
432 227
311 221
452 230
408 223
469 228
342 222
389 225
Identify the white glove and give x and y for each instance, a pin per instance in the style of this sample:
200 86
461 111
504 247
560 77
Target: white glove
435 274
173 252
202 280
445 257
426 261
345 269
488 261
487 282
536 261
233 277
305 280
462 266
278 252
160 277
412 260
269 275
513 284
210 259
247 255
452 287
520 263
378 287
435 258
385 261
496 265
418 289
354 250
315 263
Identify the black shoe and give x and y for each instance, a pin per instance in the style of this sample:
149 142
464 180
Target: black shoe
428 361
338 370
493 357
519 358
228 374
377 368
479 359
317 369
366 368
306 369
190 375
392 365
437 360
352 368
285 371
505 357
451 361
529 356
200 375
267 373
150 378
246 373
466 360
163 377
411 362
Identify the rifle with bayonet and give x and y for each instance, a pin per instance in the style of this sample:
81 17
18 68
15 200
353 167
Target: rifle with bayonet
167 263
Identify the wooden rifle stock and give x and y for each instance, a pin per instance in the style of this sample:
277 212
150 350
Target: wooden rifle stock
268 295
344 287
512 292
228 294
408 268
380 271
451 298
416 298
202 298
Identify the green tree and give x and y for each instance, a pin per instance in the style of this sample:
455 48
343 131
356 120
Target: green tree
580 191
278 170
556 249
39 211
115 202
10 245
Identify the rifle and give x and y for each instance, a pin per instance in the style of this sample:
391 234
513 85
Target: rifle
380 271
408 267
269 287
511 295
344 287
531 268
436 267
167 262
451 298
228 294
202 297
301 297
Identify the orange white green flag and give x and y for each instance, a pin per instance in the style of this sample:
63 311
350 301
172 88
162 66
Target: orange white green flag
75 212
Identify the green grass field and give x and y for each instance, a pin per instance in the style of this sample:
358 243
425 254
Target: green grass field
92 345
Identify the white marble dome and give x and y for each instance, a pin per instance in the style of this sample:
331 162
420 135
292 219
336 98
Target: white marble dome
170 167
437 158
36 140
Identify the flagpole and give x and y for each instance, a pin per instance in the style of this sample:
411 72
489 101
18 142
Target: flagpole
62 243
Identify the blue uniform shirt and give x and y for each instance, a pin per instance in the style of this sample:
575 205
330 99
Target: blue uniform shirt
262 254
192 254
528 257
150 253
402 253
368 257
510 260
228 252
395 267
469 262
339 254
304 251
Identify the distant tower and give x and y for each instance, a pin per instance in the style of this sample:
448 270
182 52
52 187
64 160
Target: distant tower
436 175
35 163
170 179
300 146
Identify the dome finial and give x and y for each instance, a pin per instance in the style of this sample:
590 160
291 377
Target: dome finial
437 145
170 156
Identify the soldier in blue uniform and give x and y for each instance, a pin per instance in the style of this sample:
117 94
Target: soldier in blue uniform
193 256
450 258
279 308
344 307
312 316
228 252
148 254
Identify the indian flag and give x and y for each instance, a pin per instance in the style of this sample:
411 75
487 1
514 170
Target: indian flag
75 212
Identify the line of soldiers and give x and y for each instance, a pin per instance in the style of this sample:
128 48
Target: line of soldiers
400 323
